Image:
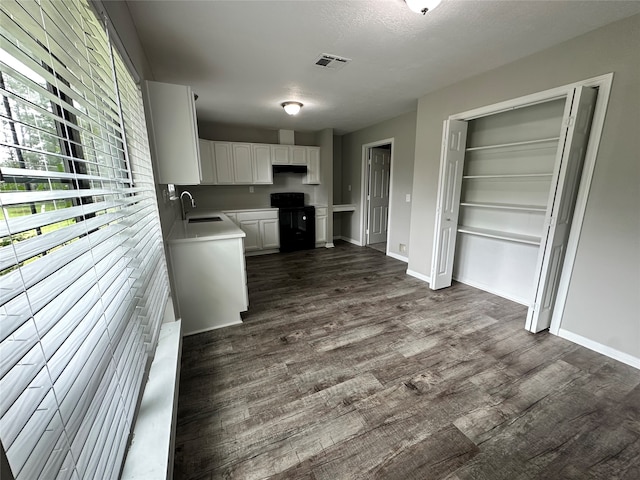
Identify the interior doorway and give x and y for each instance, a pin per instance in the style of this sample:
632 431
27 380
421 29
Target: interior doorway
376 201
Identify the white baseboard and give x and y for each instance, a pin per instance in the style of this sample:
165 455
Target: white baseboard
398 257
349 240
419 276
598 347
479 286
329 245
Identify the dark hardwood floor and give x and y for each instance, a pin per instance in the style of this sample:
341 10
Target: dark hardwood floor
347 368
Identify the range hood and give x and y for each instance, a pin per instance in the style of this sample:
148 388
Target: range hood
290 169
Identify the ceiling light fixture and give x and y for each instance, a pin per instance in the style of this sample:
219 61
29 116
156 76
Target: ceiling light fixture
292 108
422 6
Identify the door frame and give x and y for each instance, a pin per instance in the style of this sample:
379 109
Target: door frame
603 83
365 184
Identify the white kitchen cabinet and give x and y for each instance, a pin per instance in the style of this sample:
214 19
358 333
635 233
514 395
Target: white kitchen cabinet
313 166
321 225
262 168
242 163
173 132
209 275
280 154
270 234
298 154
261 227
252 241
207 162
223 161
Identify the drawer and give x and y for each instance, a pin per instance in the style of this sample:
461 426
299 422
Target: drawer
257 215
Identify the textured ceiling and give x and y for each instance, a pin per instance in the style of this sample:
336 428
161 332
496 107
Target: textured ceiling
244 58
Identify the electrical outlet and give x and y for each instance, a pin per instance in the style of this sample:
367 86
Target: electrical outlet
250 189
349 187
408 198
403 248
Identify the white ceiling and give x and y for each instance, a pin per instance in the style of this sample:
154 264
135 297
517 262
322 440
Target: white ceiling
244 58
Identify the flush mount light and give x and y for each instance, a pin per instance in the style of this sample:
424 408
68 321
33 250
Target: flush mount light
292 108
422 6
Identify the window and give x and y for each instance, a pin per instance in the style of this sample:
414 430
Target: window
83 279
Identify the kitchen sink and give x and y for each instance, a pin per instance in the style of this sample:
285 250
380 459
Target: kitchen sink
205 219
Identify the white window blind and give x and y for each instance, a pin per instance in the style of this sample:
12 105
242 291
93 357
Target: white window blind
83 279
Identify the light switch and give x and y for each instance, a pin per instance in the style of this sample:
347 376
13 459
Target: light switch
349 187
408 198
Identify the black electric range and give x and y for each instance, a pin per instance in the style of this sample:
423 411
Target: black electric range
297 221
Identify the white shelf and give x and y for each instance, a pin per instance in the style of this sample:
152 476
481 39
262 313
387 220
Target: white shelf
508 176
506 206
514 144
500 235
347 207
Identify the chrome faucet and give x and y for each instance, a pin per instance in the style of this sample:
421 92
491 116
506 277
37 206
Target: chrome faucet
193 203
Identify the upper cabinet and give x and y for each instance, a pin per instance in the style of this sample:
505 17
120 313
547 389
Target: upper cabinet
313 166
174 133
238 163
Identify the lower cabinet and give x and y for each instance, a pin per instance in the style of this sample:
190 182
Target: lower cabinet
261 228
321 225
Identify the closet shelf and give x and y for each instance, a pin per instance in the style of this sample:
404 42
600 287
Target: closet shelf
506 206
508 176
514 144
500 235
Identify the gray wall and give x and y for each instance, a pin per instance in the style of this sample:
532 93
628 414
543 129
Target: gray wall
403 130
603 304
337 184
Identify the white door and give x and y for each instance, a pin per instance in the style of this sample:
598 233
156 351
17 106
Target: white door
298 155
313 166
378 215
454 140
262 169
222 157
252 229
560 214
242 167
270 233
280 154
207 162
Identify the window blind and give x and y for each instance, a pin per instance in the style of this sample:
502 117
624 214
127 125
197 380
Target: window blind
83 278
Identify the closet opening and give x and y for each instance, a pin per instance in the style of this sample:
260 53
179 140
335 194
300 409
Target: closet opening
513 184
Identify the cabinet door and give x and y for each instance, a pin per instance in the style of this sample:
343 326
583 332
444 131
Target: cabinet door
207 162
280 155
270 233
174 132
298 155
448 207
262 169
222 156
321 229
252 229
313 165
242 168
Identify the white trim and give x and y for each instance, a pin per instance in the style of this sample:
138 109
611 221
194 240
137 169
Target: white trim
419 276
597 126
483 287
364 205
600 348
329 245
398 257
208 329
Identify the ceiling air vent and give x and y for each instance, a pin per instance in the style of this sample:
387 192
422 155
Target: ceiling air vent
331 62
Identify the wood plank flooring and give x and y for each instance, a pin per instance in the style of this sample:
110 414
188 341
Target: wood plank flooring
346 368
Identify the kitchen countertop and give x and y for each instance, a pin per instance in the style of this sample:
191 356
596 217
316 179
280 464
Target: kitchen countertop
204 231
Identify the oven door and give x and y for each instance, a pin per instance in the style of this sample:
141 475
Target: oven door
297 228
